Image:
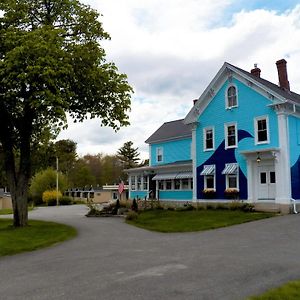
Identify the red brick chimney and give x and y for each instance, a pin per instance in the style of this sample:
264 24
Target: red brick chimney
282 74
256 71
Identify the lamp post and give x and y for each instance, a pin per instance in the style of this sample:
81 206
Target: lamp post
56 180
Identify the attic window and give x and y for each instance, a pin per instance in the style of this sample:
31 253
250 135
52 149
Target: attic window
231 97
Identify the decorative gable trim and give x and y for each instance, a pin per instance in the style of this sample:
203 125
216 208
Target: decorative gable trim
227 73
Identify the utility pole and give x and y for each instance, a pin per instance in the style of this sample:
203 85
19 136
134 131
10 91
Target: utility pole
57 180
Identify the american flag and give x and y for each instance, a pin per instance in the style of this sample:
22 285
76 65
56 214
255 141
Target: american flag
121 187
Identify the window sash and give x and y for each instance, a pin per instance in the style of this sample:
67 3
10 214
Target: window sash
209 139
159 154
262 131
132 187
231 97
232 181
209 181
145 183
231 135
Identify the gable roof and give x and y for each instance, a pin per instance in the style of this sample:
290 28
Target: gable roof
288 95
170 131
274 92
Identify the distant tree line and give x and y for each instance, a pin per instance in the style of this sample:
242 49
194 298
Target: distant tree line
88 170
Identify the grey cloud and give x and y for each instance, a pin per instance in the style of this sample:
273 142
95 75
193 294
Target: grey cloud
161 74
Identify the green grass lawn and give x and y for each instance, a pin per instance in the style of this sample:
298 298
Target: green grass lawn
38 234
8 211
184 221
5 211
289 291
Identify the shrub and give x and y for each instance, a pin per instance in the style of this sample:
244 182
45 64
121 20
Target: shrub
65 200
131 216
46 181
134 205
49 197
116 206
222 206
247 207
234 205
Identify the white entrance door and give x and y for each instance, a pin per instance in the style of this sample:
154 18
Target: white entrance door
266 183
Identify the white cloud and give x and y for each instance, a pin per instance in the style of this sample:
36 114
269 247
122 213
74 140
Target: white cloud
171 50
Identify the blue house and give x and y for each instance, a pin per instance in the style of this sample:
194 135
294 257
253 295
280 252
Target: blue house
240 140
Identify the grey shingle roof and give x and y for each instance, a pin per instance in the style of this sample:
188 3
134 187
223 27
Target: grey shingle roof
170 130
289 95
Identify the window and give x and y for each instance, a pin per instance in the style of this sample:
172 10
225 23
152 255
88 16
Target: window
159 154
132 183
208 138
263 177
139 183
209 182
185 184
161 185
231 172
232 181
231 97
145 183
177 184
209 176
168 184
272 177
261 130
230 136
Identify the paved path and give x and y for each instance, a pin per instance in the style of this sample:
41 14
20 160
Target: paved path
112 260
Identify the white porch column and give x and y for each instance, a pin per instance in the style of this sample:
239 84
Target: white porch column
250 185
129 186
194 161
282 161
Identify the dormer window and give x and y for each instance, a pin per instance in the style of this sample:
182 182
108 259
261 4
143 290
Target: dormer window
231 97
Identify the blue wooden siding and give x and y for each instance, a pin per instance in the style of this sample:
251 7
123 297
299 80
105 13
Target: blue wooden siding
172 151
294 140
250 105
176 195
137 194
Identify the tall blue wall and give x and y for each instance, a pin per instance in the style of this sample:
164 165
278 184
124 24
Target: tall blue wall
250 105
294 140
172 151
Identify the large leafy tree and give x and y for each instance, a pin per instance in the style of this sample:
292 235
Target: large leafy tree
51 64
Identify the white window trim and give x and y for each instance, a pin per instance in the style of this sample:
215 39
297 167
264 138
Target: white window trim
256 119
162 154
204 138
226 125
205 185
133 182
226 97
237 181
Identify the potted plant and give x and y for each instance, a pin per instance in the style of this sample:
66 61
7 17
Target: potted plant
232 193
209 193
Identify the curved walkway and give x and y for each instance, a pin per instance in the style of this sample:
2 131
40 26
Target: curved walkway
112 260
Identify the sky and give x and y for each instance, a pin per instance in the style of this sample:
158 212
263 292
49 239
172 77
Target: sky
172 49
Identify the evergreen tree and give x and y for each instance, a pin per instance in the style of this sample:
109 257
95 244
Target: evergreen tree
128 155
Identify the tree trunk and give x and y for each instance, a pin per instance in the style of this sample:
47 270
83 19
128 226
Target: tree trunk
18 174
18 183
20 199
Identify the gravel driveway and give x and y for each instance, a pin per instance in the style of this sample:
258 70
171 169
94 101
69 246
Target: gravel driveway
112 260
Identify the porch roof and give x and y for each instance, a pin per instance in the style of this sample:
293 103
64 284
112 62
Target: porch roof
179 166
